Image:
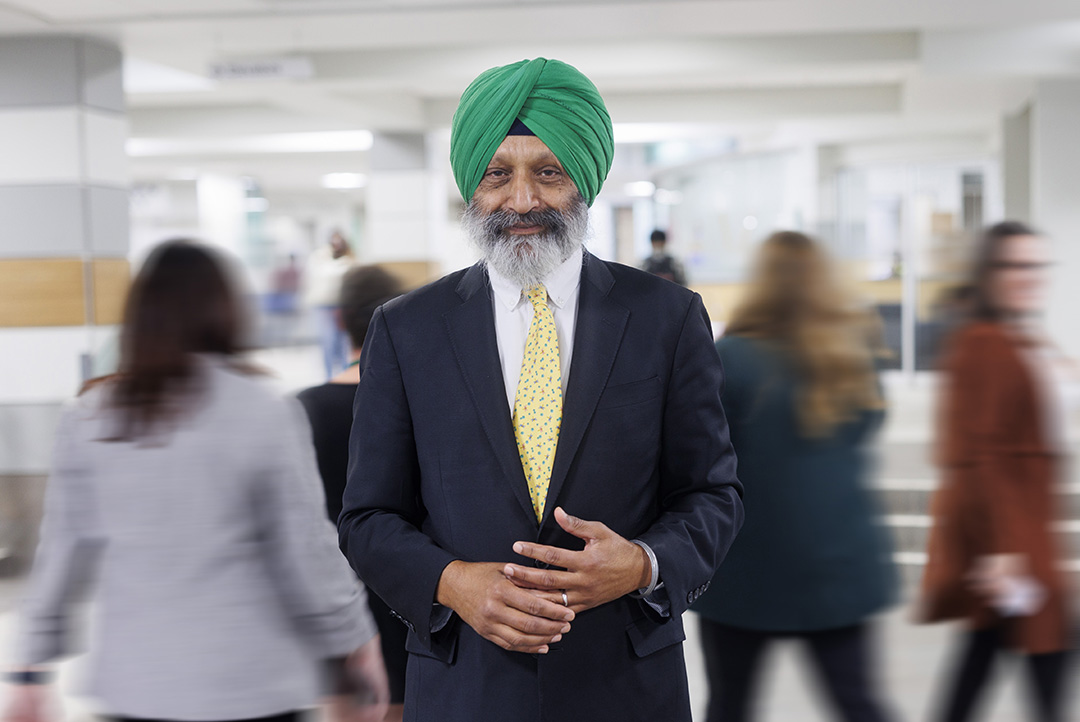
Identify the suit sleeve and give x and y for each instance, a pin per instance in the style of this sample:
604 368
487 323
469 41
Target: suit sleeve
382 510
700 497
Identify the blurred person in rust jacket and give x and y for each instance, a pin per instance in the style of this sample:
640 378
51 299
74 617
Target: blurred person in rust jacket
993 558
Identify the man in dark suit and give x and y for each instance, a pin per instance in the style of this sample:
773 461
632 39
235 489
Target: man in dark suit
544 483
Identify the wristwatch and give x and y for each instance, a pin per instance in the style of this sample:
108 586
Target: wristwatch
654 580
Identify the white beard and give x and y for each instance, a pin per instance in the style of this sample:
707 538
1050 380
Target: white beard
527 260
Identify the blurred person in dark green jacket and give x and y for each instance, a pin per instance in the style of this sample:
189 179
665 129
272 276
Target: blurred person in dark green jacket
811 561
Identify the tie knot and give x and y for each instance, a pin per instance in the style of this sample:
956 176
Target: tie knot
537 296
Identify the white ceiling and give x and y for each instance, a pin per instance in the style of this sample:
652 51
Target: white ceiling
828 69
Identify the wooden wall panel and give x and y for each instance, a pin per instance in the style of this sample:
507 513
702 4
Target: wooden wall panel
112 278
42 292
412 274
720 299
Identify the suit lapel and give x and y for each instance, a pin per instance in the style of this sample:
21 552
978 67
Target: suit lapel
472 336
601 323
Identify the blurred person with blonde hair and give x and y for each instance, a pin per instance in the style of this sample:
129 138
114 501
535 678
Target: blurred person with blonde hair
189 492
810 563
993 559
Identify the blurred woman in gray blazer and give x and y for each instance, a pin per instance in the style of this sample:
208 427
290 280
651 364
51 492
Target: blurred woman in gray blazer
189 492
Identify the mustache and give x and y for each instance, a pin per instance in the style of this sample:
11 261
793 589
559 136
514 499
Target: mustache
526 259
548 218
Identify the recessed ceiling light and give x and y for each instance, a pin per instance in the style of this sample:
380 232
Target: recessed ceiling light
667 197
344 181
640 189
183 174
145 76
330 141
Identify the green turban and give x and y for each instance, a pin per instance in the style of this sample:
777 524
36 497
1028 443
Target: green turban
558 104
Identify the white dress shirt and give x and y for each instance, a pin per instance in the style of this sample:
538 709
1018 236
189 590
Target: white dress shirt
513 316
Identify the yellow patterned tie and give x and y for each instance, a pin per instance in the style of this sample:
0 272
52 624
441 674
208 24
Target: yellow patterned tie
538 403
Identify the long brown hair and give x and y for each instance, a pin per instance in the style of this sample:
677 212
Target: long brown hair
182 302
794 302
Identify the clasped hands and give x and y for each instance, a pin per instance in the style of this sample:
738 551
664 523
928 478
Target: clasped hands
520 608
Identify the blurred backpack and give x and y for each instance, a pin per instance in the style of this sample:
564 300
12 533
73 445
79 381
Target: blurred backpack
664 266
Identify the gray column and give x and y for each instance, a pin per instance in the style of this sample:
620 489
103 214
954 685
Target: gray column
63 248
1016 164
1055 199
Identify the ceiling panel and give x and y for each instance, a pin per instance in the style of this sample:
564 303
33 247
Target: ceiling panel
15 21
400 65
83 11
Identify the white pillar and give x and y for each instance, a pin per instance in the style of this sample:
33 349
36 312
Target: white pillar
405 222
449 246
63 250
222 201
1016 164
1055 199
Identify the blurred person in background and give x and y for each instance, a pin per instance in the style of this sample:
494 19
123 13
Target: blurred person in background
281 302
326 267
189 493
330 410
811 562
661 263
993 557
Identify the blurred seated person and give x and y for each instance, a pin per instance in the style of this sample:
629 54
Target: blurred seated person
330 410
661 263
188 491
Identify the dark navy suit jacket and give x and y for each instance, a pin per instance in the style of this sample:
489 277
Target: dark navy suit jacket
434 476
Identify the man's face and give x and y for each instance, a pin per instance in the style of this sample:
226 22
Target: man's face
526 215
524 176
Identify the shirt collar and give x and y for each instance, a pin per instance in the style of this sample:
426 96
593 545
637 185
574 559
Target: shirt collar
560 283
